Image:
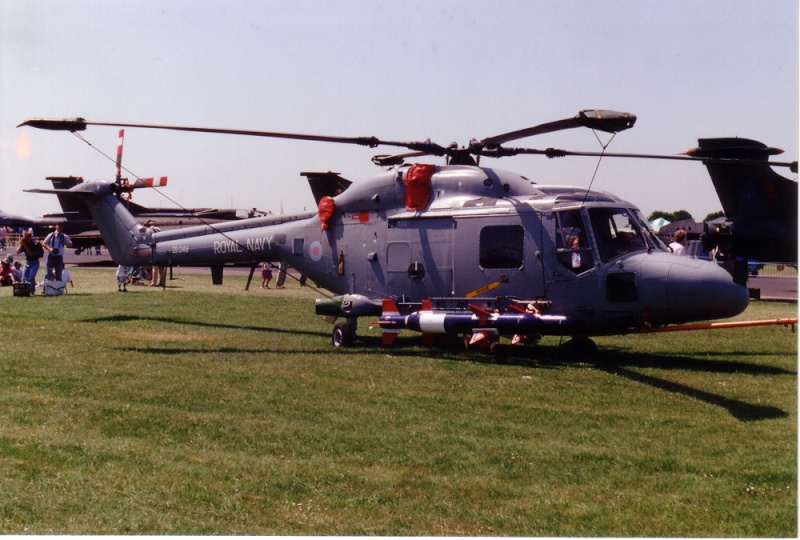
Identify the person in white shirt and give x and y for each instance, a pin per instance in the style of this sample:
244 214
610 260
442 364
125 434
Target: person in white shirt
55 242
678 246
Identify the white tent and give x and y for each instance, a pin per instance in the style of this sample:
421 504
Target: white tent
656 224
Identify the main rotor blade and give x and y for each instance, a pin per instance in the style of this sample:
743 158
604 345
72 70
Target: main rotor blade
555 153
608 121
80 124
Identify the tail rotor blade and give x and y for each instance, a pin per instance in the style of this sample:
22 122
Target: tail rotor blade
150 182
119 155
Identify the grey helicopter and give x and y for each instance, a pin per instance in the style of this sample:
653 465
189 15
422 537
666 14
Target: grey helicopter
454 249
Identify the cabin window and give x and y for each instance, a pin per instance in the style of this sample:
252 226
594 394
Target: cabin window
615 232
572 244
502 246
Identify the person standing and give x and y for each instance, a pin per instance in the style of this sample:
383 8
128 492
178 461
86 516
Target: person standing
159 276
122 278
54 243
33 252
266 274
678 246
281 276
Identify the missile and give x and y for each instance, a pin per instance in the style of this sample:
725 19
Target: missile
477 321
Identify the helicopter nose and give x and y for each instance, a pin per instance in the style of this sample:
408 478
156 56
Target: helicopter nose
701 290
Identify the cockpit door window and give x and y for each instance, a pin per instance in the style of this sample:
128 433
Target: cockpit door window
572 243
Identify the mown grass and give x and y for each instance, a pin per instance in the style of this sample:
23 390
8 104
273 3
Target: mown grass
210 410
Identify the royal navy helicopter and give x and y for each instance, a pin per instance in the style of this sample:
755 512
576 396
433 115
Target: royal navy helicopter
450 249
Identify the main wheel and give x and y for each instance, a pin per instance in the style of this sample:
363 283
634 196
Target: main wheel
343 335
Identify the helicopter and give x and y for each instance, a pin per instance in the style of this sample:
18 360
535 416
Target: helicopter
453 249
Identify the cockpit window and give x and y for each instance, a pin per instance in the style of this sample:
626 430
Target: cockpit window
616 232
652 237
572 244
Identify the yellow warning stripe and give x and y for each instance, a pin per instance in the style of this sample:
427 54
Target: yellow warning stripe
483 289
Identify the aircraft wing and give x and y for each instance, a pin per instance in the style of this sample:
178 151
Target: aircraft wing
76 193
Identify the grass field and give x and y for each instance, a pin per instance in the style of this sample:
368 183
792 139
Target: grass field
210 410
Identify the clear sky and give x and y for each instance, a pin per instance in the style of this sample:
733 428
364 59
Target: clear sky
448 70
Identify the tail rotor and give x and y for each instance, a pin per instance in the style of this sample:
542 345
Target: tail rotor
123 189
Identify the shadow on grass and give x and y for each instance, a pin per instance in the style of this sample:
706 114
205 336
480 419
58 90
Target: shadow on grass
619 363
177 320
741 410
614 361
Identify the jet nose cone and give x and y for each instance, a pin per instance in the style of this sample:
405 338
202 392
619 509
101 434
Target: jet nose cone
701 290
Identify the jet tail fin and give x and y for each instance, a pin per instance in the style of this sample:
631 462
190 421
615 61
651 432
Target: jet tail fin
753 190
326 184
763 202
70 205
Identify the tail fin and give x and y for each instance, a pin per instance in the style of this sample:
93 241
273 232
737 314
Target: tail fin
70 205
748 191
327 184
761 203
124 237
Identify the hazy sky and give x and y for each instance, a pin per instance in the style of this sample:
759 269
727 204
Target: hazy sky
398 70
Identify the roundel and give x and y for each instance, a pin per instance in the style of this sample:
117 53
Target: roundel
315 251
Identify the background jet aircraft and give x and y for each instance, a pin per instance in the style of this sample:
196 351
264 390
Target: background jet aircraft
760 205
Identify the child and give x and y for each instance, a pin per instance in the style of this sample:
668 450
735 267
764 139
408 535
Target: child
266 275
122 278
16 272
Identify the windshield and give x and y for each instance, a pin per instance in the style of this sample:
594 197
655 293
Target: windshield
652 237
616 232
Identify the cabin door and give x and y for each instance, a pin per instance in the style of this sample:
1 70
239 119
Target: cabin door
489 256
